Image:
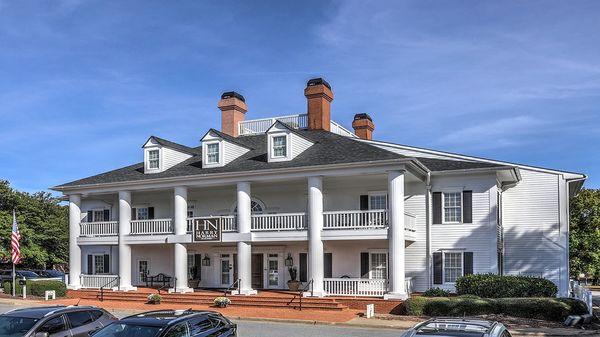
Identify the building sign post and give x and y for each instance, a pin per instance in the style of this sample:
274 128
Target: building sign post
207 229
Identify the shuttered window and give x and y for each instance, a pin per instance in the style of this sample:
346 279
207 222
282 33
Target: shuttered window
448 266
452 207
453 266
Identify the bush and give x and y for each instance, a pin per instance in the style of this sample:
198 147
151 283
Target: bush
552 309
154 298
37 288
436 292
499 286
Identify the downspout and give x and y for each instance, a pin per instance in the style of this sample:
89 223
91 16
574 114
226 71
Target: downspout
428 228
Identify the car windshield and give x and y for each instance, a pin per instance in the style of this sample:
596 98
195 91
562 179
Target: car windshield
448 329
28 274
15 326
128 330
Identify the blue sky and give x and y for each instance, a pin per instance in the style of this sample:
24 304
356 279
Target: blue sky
84 83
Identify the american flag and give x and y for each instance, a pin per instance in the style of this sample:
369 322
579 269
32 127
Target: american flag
14 241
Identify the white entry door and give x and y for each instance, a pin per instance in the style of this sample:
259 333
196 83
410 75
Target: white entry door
225 270
143 270
273 271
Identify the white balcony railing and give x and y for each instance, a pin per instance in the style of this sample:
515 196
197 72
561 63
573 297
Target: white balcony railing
100 228
355 286
340 130
97 281
228 223
279 222
255 126
355 219
149 227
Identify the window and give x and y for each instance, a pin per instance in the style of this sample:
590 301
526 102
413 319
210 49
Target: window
279 146
153 159
99 264
79 318
378 201
53 325
96 314
452 207
98 215
212 153
378 265
142 213
200 325
179 330
190 211
255 207
453 266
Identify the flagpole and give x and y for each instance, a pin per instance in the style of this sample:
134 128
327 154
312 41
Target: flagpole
14 286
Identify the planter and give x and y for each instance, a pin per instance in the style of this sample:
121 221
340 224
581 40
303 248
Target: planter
154 299
193 283
222 305
153 302
221 302
293 285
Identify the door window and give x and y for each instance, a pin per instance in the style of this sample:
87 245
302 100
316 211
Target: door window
79 318
378 265
53 325
99 264
273 270
143 270
200 325
225 278
179 330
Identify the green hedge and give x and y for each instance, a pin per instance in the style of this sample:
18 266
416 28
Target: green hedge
436 292
497 286
37 288
551 309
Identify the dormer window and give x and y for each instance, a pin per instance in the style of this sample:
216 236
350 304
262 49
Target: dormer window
153 159
279 146
212 153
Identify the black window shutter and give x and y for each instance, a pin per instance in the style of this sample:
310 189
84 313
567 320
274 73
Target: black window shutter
198 265
364 265
134 214
467 206
150 212
89 216
467 263
90 265
437 208
437 268
106 215
328 263
303 267
364 202
106 264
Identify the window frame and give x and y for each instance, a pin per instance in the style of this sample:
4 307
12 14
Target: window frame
93 271
378 194
271 145
210 145
387 267
462 264
93 213
155 160
276 147
137 212
461 207
62 317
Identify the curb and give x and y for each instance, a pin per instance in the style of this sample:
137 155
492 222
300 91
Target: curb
311 322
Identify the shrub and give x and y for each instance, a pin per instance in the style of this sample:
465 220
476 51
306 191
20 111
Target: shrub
499 286
154 298
222 302
552 309
436 292
37 288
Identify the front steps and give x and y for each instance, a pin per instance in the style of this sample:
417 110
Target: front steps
264 300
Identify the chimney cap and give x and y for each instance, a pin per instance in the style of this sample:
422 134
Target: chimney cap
317 81
362 116
233 94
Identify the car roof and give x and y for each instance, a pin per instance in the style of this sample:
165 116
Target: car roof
41 312
163 317
485 325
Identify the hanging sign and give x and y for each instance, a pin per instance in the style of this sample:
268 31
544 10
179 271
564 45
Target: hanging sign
207 229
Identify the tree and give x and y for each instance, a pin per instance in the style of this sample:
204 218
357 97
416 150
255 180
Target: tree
584 237
43 224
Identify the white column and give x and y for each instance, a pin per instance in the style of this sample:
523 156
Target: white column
180 250
244 249
315 244
124 249
396 242
74 249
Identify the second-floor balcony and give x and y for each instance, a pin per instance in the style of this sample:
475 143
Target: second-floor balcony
261 222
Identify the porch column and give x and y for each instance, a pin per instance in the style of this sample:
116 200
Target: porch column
180 250
396 242
315 244
244 249
74 249
124 249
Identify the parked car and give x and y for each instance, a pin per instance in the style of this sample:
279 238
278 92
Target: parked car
54 321
51 274
171 323
458 327
6 275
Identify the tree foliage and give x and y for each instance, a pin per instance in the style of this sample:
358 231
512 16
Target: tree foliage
43 224
584 237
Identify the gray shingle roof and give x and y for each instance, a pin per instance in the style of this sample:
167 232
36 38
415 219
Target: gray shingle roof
175 146
328 148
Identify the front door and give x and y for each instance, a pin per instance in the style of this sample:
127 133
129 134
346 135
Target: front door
143 271
257 271
273 271
225 270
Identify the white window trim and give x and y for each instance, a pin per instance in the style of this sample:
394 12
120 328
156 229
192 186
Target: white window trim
147 167
205 153
288 146
378 193
97 210
137 208
462 264
387 260
93 271
444 222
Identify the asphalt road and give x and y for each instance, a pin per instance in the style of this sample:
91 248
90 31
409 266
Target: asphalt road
271 329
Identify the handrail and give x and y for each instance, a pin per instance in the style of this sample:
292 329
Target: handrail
116 278
301 291
168 285
232 286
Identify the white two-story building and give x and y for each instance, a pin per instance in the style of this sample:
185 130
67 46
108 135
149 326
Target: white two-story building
353 215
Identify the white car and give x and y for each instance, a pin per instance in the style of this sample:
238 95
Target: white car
458 327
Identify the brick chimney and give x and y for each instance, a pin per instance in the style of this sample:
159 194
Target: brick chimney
319 96
233 111
363 126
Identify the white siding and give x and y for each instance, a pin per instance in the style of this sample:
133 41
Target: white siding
232 151
416 252
172 157
299 144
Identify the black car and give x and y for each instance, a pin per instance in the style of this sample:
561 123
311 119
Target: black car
54 321
6 275
50 274
171 323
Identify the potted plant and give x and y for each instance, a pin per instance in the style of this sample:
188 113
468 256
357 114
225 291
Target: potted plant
293 284
222 302
194 282
154 299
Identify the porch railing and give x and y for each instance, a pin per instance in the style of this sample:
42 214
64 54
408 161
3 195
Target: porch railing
228 223
255 126
581 293
101 228
355 286
149 227
368 219
279 222
97 281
